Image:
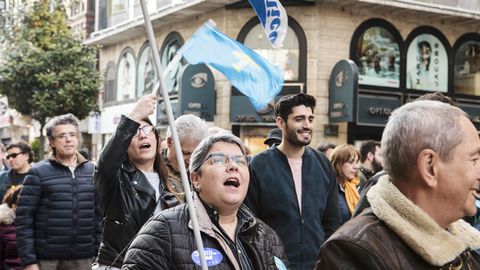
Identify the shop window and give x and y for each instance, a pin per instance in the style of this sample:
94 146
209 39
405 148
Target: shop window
427 60
126 76
291 58
173 42
466 71
109 86
376 50
147 75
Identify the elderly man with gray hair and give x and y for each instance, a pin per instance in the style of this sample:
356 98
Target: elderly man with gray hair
431 153
191 130
57 211
232 236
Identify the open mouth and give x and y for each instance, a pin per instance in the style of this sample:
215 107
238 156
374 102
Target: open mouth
145 146
232 182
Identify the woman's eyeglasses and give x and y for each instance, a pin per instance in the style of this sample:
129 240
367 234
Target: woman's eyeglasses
147 130
221 159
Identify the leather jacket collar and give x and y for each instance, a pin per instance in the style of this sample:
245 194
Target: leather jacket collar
436 245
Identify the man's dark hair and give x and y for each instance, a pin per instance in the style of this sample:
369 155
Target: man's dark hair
64 119
368 147
437 96
325 146
24 149
284 106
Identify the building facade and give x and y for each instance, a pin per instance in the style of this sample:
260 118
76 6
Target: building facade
401 50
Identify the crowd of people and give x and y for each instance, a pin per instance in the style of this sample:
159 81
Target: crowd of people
407 202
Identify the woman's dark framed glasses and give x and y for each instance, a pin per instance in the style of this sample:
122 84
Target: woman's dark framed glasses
147 130
221 159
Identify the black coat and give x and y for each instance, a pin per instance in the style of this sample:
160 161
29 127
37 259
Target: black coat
57 213
167 242
127 200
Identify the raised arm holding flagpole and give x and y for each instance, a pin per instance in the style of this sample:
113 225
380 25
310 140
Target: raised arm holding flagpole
250 73
176 141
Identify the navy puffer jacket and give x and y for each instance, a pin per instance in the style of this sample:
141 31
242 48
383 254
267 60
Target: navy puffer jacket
57 213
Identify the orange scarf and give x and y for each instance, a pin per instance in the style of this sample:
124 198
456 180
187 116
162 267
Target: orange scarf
351 194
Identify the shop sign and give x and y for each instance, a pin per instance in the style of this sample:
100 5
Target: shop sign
197 92
374 110
342 89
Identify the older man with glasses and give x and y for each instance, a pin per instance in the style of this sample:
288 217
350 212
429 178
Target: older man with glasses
233 237
19 156
57 222
191 130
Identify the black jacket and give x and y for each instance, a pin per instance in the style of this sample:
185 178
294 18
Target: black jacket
167 242
127 199
57 213
272 198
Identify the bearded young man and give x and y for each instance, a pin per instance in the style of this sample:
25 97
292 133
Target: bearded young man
293 187
370 159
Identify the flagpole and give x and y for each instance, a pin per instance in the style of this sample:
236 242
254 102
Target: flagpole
176 142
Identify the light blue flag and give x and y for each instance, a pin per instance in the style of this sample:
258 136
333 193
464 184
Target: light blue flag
274 20
249 72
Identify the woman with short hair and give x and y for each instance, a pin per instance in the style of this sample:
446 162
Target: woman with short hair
233 237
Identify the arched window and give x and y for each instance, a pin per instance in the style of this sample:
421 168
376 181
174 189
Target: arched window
427 60
173 42
109 85
126 75
466 71
291 58
376 49
147 76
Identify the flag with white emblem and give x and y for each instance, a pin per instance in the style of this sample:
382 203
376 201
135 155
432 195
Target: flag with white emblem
249 72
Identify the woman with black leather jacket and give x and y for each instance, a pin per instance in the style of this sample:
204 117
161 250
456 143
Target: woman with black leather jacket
132 181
